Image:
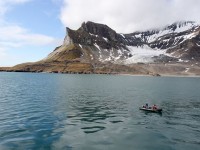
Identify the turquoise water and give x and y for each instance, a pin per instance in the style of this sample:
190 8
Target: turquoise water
98 112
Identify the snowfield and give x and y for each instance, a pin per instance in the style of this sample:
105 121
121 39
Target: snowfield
143 54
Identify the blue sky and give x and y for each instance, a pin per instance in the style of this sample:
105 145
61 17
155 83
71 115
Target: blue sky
31 29
41 16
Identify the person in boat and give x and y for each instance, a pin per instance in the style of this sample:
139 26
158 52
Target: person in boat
154 107
146 106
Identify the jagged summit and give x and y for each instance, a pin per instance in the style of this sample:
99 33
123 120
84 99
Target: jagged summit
95 28
181 26
98 29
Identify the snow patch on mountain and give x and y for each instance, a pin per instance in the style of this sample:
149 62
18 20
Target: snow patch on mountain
190 36
142 54
97 46
184 26
105 39
157 35
80 46
123 36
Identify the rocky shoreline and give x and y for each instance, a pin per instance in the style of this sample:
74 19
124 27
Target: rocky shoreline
154 69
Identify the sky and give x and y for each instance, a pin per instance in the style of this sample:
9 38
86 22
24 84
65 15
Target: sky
31 29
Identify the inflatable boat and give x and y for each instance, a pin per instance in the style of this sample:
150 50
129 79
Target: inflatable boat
158 110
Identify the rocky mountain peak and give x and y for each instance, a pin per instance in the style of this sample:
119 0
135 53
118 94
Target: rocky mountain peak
91 34
98 29
181 25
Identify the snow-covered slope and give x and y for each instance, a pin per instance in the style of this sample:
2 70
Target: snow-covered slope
153 35
143 54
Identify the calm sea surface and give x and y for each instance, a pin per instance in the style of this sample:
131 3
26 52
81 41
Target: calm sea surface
98 112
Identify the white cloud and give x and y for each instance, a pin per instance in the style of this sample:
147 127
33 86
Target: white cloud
13 36
129 15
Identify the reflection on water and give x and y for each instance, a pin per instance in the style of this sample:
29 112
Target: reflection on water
92 112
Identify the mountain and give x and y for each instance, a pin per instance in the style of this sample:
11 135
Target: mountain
177 42
96 48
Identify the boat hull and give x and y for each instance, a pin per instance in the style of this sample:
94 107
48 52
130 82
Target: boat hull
151 110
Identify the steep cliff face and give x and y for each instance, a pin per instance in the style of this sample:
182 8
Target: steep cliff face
96 48
99 43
